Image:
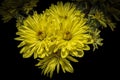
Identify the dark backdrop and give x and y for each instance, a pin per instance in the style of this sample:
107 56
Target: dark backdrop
101 64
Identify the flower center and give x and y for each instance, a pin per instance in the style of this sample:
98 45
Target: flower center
41 35
64 17
67 36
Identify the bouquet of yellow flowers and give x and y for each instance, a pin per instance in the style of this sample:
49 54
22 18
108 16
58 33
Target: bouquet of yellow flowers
61 33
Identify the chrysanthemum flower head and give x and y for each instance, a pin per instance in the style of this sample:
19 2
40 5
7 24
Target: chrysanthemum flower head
97 40
34 34
55 36
53 62
72 31
98 16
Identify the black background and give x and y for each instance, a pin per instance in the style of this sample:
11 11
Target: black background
99 65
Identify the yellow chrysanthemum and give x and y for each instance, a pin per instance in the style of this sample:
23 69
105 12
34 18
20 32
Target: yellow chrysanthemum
53 62
29 6
34 34
97 41
55 37
100 17
72 37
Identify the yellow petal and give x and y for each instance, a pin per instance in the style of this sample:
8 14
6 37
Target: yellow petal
27 54
64 54
58 67
41 55
86 47
80 53
23 49
68 67
75 53
72 59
